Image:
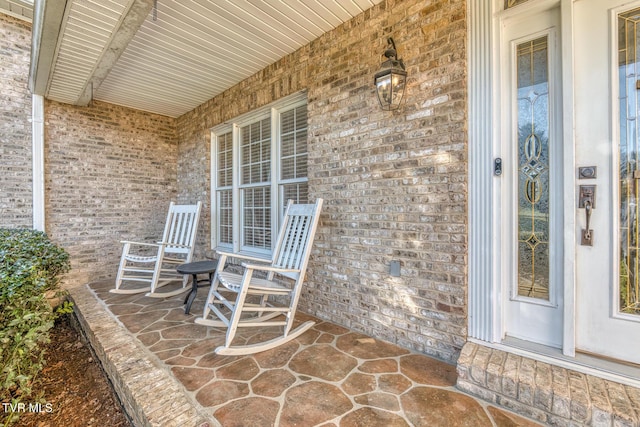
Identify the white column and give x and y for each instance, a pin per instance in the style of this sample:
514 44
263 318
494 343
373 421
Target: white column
482 304
37 130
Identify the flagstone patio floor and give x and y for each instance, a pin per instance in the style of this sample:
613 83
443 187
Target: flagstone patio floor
166 373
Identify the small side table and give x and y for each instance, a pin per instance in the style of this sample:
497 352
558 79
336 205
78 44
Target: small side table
195 268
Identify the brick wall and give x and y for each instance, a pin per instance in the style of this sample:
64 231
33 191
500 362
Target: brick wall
110 175
16 206
394 182
110 171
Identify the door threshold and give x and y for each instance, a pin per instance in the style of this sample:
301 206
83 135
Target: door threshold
588 364
613 360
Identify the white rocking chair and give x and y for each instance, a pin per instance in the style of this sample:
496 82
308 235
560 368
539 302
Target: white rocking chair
289 261
157 266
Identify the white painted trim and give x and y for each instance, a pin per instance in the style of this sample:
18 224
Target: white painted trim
213 147
485 257
482 310
527 8
263 112
569 179
275 171
37 154
48 19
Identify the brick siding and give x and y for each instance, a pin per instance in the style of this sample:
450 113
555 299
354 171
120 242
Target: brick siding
16 205
110 171
110 175
395 183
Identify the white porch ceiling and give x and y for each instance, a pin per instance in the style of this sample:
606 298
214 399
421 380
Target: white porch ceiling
21 9
170 59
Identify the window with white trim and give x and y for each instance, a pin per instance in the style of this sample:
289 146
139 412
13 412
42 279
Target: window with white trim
259 162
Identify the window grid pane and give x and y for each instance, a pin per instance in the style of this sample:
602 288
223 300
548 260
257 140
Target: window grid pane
225 160
293 131
297 191
256 152
225 217
257 217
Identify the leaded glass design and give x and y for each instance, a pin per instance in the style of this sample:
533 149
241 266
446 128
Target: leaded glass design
511 3
629 75
533 168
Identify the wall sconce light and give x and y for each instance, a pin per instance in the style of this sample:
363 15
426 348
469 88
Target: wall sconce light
390 81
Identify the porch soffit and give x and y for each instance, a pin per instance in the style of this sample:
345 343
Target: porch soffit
170 58
21 9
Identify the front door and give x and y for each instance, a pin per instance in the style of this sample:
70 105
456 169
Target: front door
571 262
606 89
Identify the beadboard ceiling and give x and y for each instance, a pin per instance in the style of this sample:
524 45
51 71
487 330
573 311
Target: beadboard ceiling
21 9
169 56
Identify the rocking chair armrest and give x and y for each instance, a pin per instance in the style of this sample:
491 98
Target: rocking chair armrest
139 243
242 256
157 245
175 245
270 268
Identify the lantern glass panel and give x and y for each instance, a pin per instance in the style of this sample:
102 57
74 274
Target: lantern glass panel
383 87
397 89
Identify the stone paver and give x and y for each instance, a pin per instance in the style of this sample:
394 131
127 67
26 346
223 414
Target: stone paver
329 376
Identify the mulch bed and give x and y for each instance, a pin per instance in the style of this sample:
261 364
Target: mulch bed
74 386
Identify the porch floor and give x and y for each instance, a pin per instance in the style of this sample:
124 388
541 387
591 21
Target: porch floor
164 369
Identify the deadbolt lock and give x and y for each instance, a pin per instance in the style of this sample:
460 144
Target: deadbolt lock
587 194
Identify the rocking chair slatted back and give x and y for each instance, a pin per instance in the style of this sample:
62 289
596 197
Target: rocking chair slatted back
294 242
179 233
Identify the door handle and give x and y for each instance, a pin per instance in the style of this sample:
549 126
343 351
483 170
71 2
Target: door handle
587 201
587 234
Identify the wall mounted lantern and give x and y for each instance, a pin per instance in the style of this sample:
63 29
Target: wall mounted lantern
390 81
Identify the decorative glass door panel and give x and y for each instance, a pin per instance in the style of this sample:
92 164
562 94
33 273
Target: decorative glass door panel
533 168
629 78
530 188
512 3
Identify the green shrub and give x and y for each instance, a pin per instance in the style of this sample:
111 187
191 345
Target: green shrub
30 265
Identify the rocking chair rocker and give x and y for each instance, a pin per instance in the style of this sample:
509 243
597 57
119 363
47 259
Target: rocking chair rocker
289 262
157 267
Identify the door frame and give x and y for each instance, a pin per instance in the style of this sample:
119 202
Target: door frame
485 95
484 299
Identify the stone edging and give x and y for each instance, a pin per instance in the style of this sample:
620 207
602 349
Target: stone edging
149 393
